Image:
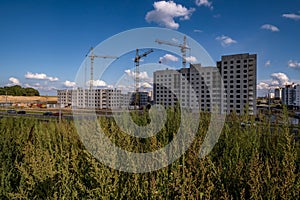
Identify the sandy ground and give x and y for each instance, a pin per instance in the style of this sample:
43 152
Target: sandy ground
22 99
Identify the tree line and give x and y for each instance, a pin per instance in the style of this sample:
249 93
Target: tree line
17 90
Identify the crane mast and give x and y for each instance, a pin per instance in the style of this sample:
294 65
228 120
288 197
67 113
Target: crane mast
137 72
93 56
183 47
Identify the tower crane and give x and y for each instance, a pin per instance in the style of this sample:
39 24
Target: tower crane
93 56
183 47
137 72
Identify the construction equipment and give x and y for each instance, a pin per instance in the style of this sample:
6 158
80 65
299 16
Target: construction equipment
183 47
93 56
137 64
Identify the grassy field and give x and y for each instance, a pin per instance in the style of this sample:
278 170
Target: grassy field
41 160
26 99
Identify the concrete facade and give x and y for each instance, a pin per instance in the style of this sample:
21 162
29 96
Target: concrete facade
95 98
297 96
239 77
288 95
196 87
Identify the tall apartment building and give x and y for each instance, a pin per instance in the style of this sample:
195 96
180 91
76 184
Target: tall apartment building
278 93
291 96
297 96
288 95
196 87
203 86
239 77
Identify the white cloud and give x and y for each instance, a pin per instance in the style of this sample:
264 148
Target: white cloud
14 81
198 31
263 86
35 86
97 83
268 63
225 40
204 3
41 76
270 27
279 79
168 57
191 59
146 85
294 64
291 16
40 87
165 11
142 75
69 84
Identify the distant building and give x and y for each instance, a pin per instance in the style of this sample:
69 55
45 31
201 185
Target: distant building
278 93
143 99
64 97
239 78
297 97
288 95
99 98
196 87
202 87
96 98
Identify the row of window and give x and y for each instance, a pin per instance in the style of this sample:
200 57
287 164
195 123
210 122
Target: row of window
238 61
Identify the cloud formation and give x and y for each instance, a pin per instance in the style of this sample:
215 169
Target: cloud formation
146 85
270 27
279 79
165 11
291 16
263 86
43 88
69 84
97 83
204 3
226 40
142 75
198 31
168 57
294 64
41 76
191 59
268 63
14 81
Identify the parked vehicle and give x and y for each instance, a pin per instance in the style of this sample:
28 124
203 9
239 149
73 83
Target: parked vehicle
11 111
21 112
57 114
47 113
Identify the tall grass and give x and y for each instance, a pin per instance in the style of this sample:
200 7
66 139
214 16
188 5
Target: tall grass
41 160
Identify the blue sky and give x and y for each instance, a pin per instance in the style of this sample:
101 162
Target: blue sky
43 43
